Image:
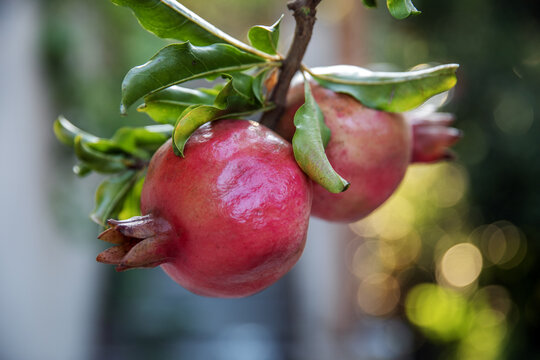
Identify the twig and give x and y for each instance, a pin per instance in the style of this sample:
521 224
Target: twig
304 14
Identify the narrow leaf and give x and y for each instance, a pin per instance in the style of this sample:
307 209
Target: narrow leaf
132 142
236 98
190 122
128 148
237 95
309 141
66 132
166 22
178 63
265 38
388 91
165 106
99 161
370 3
401 9
171 20
142 142
111 194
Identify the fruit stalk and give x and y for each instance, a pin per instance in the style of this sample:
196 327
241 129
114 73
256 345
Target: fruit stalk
304 12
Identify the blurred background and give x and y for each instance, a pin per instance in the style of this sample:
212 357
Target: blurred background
446 269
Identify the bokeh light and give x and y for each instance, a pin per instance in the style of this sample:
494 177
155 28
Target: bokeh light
441 312
461 264
378 294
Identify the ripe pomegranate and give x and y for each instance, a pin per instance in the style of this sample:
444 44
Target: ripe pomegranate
227 220
369 148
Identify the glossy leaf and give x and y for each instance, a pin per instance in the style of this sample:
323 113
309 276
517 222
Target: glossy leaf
401 9
99 161
190 122
237 95
110 196
388 91
309 140
370 3
66 132
165 106
127 148
147 139
178 63
235 99
171 20
265 38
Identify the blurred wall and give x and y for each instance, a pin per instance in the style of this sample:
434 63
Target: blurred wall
47 281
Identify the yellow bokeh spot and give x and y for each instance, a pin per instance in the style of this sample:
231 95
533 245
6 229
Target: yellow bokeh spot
461 264
365 260
378 294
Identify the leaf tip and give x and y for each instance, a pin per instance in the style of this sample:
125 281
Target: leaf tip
178 150
123 109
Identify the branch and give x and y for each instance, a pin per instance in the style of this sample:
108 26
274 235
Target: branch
304 14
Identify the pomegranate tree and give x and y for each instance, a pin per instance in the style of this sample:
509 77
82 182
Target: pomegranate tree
222 204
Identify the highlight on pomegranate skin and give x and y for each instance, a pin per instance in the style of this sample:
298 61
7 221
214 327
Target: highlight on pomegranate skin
227 220
369 148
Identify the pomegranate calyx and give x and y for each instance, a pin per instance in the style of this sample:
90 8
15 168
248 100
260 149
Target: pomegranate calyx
140 242
432 137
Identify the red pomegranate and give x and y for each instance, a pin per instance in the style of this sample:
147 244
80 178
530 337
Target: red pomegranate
228 220
369 148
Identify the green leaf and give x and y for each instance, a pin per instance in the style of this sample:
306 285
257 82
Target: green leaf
388 91
81 170
190 122
166 21
237 95
128 148
142 142
66 132
401 9
110 196
309 140
165 106
178 63
258 84
370 3
99 161
132 203
130 142
171 20
265 38
235 99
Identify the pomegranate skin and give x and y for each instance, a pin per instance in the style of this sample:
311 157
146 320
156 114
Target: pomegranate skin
238 205
369 148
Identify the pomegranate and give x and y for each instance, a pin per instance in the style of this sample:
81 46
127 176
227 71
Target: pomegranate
369 148
228 220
